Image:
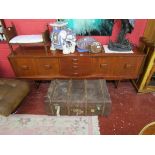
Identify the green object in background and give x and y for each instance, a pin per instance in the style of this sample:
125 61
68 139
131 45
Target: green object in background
91 27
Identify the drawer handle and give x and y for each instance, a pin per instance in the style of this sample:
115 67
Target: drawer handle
75 63
47 66
75 67
24 67
128 65
75 73
103 65
74 59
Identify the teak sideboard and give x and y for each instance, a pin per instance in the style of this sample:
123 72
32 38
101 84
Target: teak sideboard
34 63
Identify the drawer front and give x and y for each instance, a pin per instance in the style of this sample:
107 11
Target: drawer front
76 66
76 60
47 66
23 66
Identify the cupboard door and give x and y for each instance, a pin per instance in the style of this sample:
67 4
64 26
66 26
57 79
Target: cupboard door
47 66
105 66
23 66
129 67
118 67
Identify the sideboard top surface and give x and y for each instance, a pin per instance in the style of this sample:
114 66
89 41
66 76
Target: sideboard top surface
40 52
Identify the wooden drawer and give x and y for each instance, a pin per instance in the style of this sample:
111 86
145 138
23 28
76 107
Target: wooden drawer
47 66
76 66
23 66
76 60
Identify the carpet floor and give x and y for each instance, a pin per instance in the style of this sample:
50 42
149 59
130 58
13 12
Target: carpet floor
19 124
130 111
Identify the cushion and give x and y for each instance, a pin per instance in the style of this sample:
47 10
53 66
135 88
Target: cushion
22 39
12 92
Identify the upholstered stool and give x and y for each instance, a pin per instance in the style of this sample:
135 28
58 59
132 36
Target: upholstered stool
12 92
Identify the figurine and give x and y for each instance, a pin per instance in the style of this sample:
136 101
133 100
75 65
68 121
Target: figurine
62 38
55 40
1 37
69 44
122 43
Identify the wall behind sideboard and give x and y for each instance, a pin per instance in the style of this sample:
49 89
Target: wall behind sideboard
36 26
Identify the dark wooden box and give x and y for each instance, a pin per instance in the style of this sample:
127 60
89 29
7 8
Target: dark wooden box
78 97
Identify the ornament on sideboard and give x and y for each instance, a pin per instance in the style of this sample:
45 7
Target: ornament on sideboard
83 44
123 44
1 29
1 33
1 37
4 38
96 47
69 44
62 38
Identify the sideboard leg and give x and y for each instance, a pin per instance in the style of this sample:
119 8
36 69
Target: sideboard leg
116 82
37 84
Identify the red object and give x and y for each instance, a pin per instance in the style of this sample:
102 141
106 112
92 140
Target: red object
36 26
